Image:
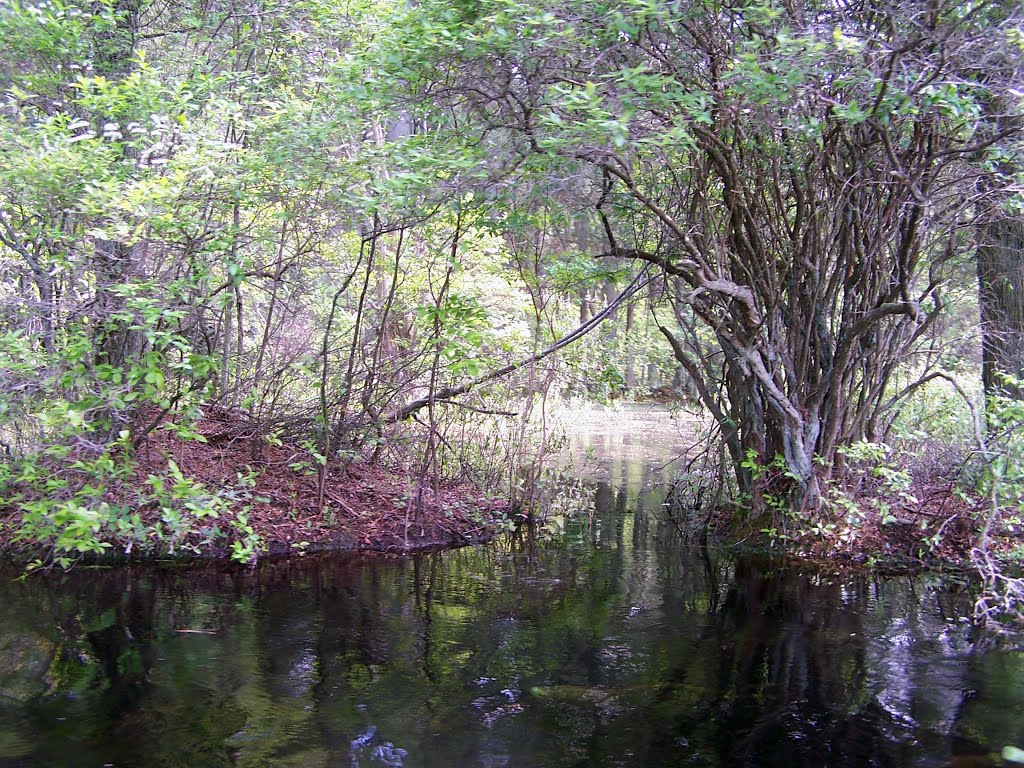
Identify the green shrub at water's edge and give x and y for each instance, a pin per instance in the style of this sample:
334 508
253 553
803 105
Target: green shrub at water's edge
69 422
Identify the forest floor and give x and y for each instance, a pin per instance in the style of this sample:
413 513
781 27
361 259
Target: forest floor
930 520
364 506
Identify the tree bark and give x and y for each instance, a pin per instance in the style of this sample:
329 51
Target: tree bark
1000 264
1001 302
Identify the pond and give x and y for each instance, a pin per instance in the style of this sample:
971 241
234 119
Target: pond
622 646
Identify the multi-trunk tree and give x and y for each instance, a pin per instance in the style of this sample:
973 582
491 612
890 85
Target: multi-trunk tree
798 176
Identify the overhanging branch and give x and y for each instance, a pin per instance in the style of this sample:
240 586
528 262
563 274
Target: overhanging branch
639 281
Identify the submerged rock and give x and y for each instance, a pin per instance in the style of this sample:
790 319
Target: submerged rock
573 694
24 662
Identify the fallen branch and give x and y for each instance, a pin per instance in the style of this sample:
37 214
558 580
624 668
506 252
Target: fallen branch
485 411
406 411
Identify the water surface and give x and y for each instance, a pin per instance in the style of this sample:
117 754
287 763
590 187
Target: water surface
623 646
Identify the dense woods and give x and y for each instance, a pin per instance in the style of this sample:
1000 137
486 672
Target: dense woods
392 236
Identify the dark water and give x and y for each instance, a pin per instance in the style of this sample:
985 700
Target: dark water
622 647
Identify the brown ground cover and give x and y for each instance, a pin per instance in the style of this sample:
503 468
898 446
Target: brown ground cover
931 520
365 506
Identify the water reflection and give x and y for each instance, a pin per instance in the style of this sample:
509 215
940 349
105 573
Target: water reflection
623 648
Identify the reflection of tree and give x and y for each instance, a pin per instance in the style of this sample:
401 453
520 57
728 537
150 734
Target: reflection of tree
981 723
623 650
121 639
784 672
109 630
788 687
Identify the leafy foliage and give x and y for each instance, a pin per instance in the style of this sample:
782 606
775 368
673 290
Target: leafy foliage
388 232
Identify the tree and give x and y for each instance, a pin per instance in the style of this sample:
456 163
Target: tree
1000 251
1001 299
798 176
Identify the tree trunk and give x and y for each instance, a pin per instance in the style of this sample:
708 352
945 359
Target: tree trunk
630 348
117 343
1001 301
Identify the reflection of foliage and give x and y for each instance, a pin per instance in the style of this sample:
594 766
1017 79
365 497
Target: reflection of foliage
73 671
624 635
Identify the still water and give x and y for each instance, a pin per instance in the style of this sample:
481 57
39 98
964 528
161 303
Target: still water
622 646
